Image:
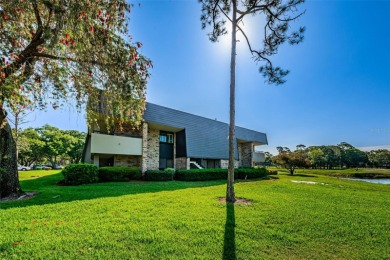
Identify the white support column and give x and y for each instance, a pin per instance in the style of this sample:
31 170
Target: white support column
96 159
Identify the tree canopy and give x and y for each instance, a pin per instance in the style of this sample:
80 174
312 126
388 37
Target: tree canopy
57 52
52 52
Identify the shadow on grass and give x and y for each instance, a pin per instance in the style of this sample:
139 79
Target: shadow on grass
301 175
229 243
50 193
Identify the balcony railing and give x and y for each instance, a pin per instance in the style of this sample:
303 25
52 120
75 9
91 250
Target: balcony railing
258 157
112 144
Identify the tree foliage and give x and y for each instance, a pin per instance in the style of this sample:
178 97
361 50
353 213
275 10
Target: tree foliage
57 52
292 160
278 15
343 155
52 52
379 158
48 143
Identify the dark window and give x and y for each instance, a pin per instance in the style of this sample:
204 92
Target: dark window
166 137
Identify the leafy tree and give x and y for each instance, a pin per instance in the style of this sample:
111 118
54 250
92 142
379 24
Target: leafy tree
268 159
31 147
379 158
355 158
18 116
52 52
278 14
317 157
75 145
292 160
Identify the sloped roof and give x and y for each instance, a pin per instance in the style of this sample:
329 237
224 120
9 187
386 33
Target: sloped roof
205 138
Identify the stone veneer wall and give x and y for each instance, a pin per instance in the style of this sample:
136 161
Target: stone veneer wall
127 160
153 151
245 154
144 147
182 163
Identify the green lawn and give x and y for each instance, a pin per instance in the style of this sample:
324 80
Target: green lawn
334 219
353 172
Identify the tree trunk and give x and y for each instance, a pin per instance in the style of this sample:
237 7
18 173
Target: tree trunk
9 180
230 196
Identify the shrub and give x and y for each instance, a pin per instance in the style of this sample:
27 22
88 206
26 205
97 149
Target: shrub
156 175
171 170
201 174
76 174
270 172
250 173
119 173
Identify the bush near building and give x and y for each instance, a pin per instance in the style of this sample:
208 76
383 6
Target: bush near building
77 174
119 173
156 175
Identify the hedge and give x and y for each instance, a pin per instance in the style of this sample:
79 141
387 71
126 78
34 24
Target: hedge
219 174
156 175
119 173
272 172
201 174
77 174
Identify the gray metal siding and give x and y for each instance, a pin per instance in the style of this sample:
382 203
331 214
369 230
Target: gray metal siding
205 138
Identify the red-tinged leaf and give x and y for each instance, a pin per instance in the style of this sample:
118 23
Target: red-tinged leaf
58 222
34 230
16 243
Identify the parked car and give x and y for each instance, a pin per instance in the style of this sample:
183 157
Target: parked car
58 167
37 167
47 167
23 168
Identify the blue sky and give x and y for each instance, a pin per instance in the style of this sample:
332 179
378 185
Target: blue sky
338 88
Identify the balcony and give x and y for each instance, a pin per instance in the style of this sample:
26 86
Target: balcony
111 144
258 157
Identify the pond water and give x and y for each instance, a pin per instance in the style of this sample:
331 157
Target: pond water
380 181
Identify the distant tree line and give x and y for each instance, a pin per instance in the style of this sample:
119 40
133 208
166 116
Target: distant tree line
343 155
49 145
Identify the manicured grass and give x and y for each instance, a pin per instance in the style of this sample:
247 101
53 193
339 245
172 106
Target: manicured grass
334 219
353 172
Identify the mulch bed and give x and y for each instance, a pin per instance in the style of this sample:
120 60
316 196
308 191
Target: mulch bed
239 201
24 196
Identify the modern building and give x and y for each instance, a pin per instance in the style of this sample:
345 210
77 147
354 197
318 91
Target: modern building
171 138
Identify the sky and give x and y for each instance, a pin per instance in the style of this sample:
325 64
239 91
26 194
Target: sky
338 89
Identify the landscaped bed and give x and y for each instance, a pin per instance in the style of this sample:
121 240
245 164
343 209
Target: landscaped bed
147 220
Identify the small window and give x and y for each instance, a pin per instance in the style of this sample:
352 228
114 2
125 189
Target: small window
170 138
163 137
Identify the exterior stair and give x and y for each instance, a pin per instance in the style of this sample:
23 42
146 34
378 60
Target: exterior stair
195 165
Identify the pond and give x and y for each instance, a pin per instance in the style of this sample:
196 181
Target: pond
380 181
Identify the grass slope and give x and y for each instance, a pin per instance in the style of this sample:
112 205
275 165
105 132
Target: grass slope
352 172
337 219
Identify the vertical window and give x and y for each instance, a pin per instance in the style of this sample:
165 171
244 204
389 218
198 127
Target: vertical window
163 137
170 138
